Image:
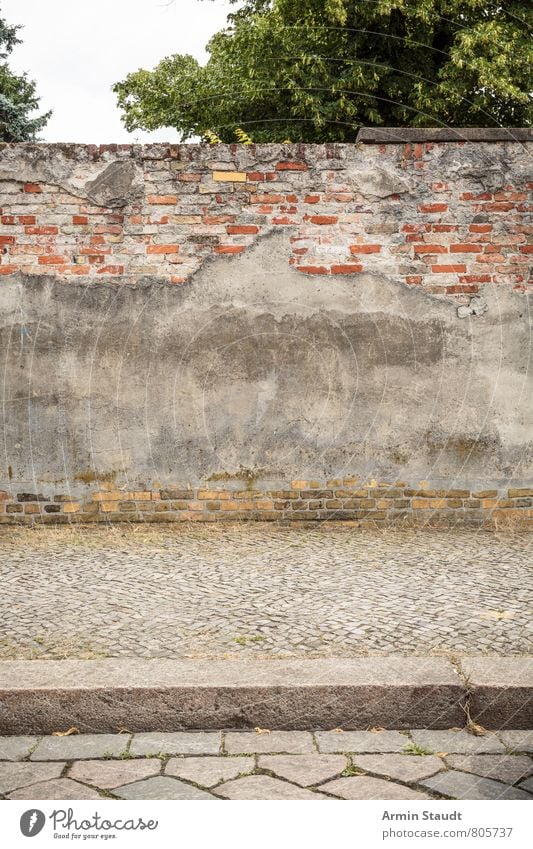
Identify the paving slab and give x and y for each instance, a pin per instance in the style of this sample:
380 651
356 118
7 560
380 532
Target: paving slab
518 741
506 768
457 742
209 771
177 743
60 788
15 775
110 774
16 748
304 770
161 787
463 785
407 768
237 743
364 787
361 741
264 787
527 785
170 695
501 690
80 746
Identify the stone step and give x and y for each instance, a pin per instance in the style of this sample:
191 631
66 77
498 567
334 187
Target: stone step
40 697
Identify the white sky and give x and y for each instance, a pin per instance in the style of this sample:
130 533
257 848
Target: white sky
77 49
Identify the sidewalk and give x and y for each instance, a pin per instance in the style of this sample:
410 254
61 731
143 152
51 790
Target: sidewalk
270 765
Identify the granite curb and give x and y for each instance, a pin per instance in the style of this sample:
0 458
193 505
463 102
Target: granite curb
103 696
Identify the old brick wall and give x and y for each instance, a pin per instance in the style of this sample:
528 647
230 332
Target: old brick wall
277 331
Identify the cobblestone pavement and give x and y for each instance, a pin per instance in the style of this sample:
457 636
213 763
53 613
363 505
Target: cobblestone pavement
270 765
262 591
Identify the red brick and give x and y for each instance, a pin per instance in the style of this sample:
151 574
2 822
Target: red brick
448 269
526 249
162 249
433 207
8 219
164 200
111 269
475 278
480 228
266 199
241 229
443 228
459 290
312 199
292 166
229 249
348 268
41 231
8 269
365 249
80 219
52 260
463 248
313 269
471 196
498 207
413 279
32 188
322 219
430 249
7 240
27 219
94 251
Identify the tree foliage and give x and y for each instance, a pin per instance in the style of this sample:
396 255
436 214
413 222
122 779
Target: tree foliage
316 70
18 97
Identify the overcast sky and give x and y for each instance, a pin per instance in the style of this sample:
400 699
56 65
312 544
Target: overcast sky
77 49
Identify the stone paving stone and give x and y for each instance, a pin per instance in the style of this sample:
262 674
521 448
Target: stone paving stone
264 787
400 767
80 746
110 774
519 741
61 788
227 574
209 771
365 787
15 775
161 787
458 742
304 769
177 743
361 741
292 742
16 748
506 768
527 785
464 785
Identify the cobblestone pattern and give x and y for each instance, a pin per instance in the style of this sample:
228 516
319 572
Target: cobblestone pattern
448 217
296 765
339 500
216 592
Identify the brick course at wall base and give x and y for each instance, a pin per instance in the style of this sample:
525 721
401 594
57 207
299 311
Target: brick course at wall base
343 501
171 312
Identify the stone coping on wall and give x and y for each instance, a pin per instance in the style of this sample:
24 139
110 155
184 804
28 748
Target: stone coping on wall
337 500
399 135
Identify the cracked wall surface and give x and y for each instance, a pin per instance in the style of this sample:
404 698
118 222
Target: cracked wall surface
275 332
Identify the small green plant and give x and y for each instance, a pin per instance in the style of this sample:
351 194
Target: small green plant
415 749
351 770
242 136
243 640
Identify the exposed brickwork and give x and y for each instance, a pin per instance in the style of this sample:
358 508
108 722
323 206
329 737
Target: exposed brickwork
410 211
339 500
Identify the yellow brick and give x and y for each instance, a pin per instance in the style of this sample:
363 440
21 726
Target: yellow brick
421 503
212 494
299 485
489 502
237 505
137 496
229 176
264 505
108 496
71 508
109 506
32 508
